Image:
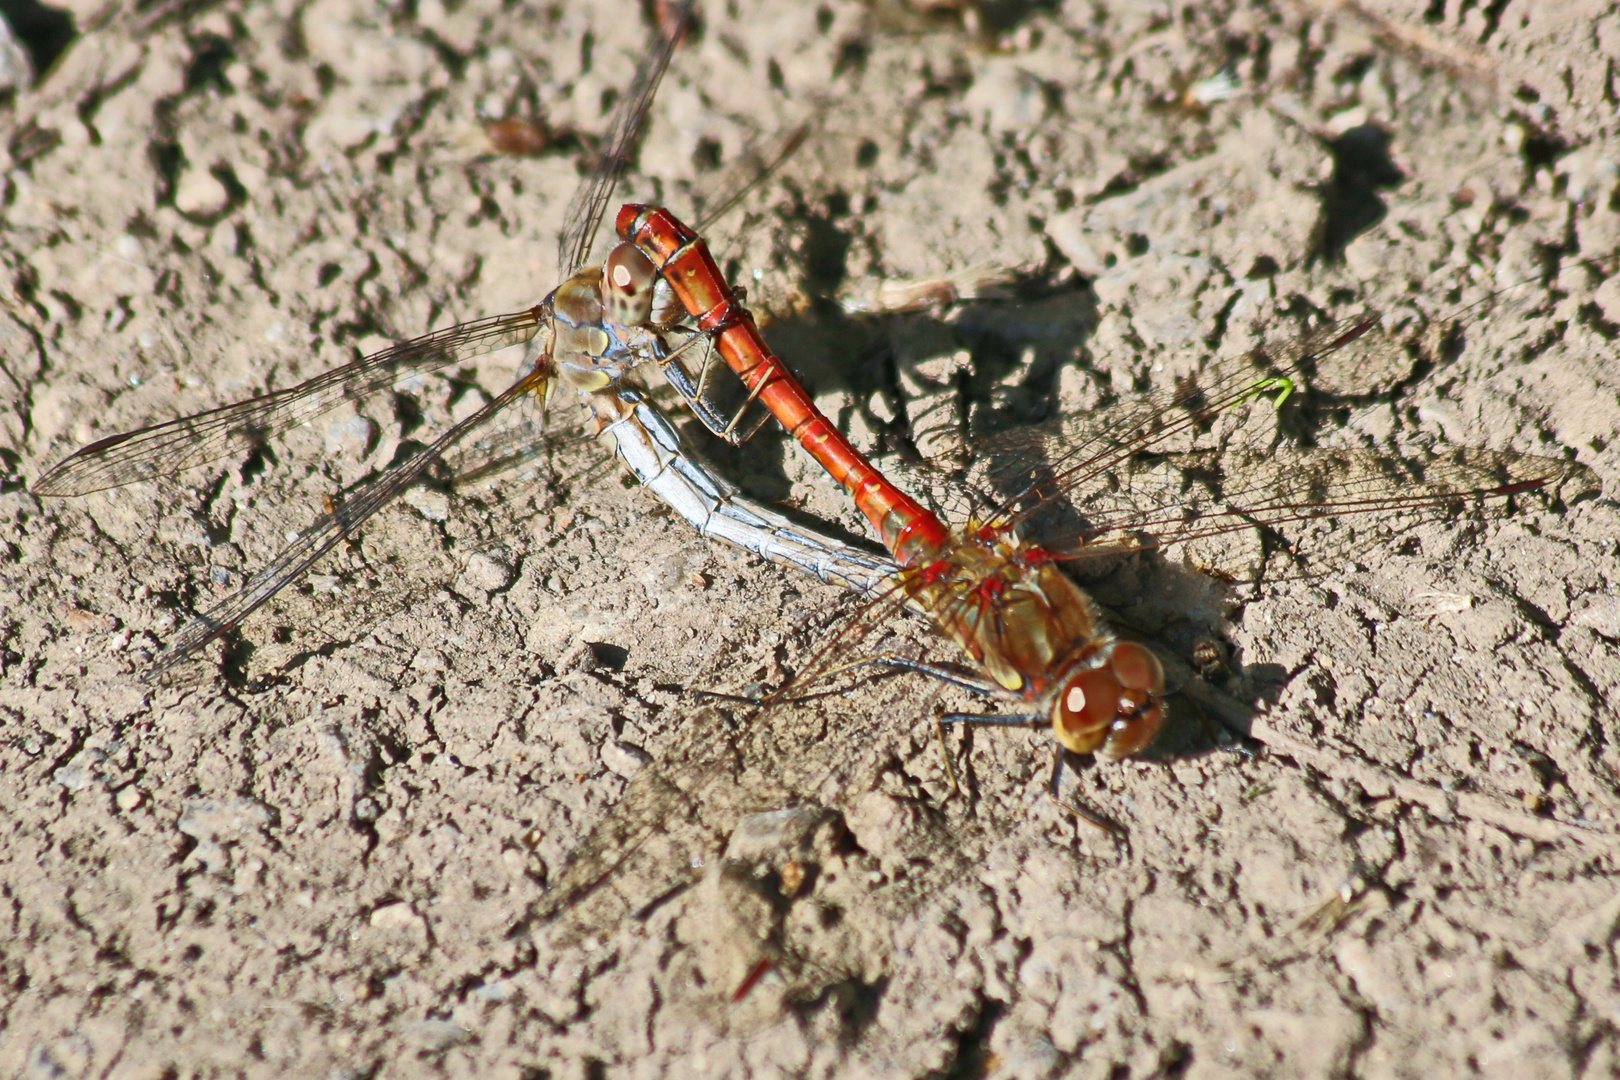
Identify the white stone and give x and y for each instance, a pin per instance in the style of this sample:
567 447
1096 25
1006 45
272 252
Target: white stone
200 193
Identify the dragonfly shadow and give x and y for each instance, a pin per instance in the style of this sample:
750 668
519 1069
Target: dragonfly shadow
1174 501
45 32
1351 204
919 377
918 380
1183 615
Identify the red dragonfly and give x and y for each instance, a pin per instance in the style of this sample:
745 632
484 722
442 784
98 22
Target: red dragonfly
1038 638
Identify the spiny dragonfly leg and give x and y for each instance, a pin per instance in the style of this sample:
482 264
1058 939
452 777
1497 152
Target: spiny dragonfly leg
997 719
934 671
677 376
897 663
756 700
734 433
1080 809
732 429
952 677
1006 720
1076 809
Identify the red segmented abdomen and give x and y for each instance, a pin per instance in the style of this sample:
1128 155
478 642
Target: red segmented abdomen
909 530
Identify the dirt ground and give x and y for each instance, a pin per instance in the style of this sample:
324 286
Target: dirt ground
335 846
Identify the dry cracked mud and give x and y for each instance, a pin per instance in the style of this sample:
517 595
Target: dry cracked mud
332 846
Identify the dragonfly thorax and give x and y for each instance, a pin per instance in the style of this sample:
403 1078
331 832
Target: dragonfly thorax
1040 636
1019 620
597 326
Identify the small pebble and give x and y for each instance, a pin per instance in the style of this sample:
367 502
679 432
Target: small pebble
433 505
396 916
200 194
486 573
623 759
351 435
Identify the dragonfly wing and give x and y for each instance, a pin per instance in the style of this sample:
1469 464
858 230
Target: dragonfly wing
170 447
661 834
1202 457
1178 498
728 826
1178 417
591 199
325 534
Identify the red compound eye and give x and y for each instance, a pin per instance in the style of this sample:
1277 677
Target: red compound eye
1114 710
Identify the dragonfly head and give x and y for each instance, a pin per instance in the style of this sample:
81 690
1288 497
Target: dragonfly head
1110 703
628 282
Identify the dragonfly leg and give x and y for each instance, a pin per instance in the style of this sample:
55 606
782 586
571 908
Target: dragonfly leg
1080 809
1004 720
945 756
933 671
732 429
733 433
1007 720
699 694
694 395
897 663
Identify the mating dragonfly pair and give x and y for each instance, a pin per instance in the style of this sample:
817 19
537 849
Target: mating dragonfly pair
660 300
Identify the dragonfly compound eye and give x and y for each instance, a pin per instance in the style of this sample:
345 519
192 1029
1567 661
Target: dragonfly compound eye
628 278
1115 709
